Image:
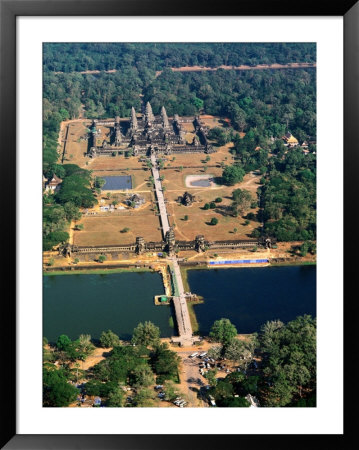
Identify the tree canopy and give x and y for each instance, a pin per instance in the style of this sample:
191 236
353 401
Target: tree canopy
232 175
146 334
289 363
56 389
223 331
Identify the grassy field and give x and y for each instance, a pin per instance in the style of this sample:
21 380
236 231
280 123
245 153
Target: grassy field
198 218
76 148
106 230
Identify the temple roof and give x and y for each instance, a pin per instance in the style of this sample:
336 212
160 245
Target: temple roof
288 137
55 180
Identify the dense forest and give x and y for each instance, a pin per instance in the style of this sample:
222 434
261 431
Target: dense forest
76 57
59 209
263 104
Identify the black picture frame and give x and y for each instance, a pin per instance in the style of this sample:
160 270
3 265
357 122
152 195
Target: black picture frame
9 10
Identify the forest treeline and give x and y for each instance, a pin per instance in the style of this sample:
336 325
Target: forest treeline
77 57
269 101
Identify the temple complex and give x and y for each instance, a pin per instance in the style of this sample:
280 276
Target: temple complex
148 134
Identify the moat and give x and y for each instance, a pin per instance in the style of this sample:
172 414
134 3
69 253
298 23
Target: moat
251 296
90 303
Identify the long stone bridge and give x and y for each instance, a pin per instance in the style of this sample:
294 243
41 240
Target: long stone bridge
179 300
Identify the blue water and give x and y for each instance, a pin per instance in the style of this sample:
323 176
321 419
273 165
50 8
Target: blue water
117 183
200 183
251 296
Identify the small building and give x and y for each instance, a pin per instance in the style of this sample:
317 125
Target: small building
187 199
135 201
304 144
290 140
54 184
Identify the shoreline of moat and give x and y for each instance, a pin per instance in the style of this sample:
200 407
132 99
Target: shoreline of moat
161 269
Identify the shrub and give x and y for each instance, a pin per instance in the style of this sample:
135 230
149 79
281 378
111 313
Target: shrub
251 216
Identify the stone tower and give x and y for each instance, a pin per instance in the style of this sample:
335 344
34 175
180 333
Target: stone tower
140 245
149 114
170 242
133 119
200 243
165 122
118 137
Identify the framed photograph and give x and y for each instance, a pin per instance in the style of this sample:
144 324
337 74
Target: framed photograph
143 141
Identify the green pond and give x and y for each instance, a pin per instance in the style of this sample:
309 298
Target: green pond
89 304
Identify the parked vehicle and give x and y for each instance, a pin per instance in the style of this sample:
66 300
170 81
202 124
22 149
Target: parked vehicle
203 354
180 402
212 401
194 355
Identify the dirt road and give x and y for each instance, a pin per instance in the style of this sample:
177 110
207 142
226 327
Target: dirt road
242 67
299 65
191 381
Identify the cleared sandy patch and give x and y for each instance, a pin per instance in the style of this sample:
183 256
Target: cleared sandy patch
190 179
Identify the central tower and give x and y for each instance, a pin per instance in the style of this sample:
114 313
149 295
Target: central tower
149 117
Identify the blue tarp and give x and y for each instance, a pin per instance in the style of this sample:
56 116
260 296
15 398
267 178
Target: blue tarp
240 261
